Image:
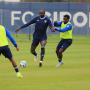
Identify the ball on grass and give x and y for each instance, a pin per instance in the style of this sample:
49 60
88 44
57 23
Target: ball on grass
23 63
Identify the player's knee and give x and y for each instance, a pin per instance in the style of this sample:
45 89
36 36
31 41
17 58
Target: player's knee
43 46
60 53
61 50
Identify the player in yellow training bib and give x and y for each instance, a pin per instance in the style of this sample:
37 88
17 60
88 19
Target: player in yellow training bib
5 50
65 28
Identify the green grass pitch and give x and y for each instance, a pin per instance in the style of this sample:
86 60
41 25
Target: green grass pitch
73 75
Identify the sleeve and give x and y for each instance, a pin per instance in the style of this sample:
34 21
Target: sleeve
50 23
11 38
57 23
68 27
29 23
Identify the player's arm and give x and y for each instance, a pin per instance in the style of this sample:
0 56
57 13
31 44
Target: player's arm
27 24
51 26
68 27
11 39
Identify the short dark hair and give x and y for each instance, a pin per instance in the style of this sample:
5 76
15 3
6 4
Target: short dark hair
67 16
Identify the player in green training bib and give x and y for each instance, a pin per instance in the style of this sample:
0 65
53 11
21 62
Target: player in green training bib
65 28
5 50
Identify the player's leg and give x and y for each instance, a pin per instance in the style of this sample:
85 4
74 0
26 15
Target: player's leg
33 47
59 51
7 53
64 45
43 44
15 67
33 50
60 56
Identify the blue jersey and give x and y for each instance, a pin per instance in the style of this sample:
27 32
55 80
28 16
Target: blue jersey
41 25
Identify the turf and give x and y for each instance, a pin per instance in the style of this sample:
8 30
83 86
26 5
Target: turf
73 75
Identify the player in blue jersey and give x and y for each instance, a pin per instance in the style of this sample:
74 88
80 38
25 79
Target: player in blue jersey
5 50
41 23
65 28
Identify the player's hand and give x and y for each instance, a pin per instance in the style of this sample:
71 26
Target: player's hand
17 30
53 29
17 48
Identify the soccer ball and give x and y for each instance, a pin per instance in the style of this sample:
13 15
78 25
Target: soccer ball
23 63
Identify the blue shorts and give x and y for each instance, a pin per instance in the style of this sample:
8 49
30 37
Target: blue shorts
38 39
5 50
64 43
